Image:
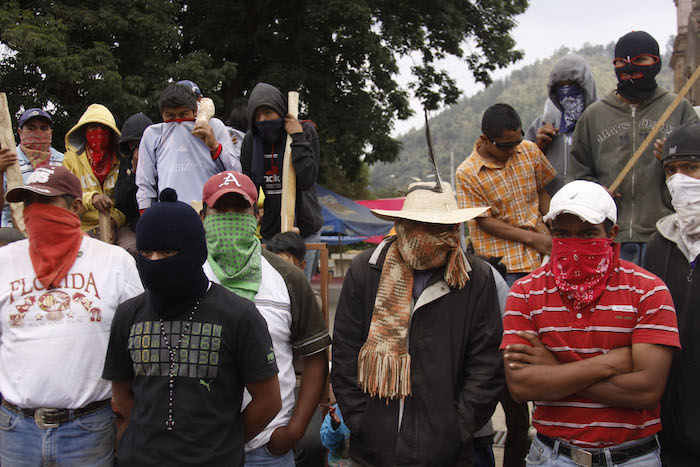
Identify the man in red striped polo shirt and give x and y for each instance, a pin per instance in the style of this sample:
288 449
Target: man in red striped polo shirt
589 338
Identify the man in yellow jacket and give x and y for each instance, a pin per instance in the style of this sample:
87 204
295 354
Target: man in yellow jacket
92 154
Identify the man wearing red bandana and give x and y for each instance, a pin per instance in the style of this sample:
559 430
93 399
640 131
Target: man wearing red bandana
589 338
92 154
34 150
58 294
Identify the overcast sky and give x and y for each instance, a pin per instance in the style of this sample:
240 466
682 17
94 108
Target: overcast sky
550 24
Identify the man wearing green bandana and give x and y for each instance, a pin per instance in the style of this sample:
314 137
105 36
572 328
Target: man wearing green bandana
283 297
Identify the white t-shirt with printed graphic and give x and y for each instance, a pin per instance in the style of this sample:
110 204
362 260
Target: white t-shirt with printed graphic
53 342
274 304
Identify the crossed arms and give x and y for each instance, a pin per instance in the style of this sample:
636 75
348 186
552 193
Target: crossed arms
632 376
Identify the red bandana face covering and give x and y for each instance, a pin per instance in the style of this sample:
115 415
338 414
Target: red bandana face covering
54 241
36 145
581 268
179 120
99 144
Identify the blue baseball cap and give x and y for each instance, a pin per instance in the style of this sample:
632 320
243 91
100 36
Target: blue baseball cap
192 85
34 113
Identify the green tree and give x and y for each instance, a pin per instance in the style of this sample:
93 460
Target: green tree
342 57
73 53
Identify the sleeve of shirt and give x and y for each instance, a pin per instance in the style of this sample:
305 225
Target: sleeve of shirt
305 156
227 156
656 318
689 113
146 170
469 192
517 317
254 352
131 285
544 172
309 331
118 363
580 159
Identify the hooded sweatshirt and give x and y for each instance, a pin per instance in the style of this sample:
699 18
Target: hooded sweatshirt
573 68
606 136
305 159
76 160
125 190
170 156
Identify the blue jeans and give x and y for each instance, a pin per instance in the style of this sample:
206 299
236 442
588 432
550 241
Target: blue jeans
633 252
542 455
312 256
84 441
262 457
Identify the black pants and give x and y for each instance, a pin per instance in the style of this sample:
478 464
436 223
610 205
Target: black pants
518 424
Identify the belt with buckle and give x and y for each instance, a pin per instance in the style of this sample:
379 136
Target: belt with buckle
596 457
51 418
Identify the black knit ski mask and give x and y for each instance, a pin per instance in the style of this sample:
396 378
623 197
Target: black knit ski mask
175 283
636 82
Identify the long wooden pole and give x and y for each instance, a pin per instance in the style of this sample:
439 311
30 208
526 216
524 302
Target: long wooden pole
652 134
13 174
289 176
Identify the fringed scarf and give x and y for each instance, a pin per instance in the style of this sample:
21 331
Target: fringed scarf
384 364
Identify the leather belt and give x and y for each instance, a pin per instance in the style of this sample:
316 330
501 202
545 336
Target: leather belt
51 418
590 458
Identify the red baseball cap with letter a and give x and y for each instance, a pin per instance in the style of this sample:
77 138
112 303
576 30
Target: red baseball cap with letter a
229 182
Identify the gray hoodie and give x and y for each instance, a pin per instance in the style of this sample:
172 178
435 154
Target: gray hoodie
573 68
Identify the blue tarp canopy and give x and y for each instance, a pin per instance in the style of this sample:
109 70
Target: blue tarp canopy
344 217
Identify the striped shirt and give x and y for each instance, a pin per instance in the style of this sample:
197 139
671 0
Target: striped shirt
511 192
635 308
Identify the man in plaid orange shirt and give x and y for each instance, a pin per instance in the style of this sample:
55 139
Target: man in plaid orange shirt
508 174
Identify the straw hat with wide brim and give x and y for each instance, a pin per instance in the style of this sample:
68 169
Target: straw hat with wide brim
426 205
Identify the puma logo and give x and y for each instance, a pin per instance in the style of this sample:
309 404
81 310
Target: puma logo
205 384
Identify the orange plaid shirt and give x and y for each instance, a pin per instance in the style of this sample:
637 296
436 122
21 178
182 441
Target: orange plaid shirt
511 191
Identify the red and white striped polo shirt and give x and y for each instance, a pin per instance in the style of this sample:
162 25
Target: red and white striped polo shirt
635 308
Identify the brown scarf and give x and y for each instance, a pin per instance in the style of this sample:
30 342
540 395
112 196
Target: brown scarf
384 364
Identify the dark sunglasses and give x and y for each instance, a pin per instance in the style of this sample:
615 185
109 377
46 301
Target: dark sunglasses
507 145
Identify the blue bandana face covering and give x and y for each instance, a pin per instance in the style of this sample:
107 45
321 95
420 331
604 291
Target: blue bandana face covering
572 103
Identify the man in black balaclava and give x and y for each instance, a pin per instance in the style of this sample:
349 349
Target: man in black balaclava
610 131
181 353
262 159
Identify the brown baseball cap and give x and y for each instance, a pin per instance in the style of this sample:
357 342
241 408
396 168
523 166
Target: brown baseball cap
229 182
48 181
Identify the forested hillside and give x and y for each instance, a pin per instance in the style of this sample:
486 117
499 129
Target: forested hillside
457 127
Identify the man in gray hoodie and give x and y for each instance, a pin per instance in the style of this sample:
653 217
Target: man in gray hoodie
571 90
610 131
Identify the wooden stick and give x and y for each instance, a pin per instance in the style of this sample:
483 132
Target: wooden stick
105 222
289 176
650 137
14 176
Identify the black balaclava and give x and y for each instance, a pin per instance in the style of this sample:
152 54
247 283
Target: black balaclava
628 47
175 283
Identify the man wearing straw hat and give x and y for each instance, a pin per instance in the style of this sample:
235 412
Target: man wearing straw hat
417 328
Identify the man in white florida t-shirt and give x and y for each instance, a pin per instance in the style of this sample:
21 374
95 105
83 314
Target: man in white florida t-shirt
58 293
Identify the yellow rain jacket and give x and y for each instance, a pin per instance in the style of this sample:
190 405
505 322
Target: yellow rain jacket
76 160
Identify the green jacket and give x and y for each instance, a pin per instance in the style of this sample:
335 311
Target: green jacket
606 136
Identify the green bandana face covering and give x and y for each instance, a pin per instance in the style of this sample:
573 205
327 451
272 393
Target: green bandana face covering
234 252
